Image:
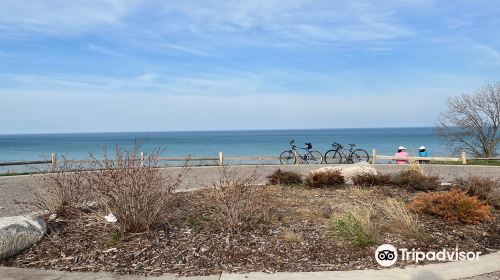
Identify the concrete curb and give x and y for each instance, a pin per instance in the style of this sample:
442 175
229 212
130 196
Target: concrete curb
443 271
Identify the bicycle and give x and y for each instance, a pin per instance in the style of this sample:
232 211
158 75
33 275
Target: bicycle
338 154
290 156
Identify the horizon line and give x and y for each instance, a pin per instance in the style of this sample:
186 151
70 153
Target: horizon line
208 130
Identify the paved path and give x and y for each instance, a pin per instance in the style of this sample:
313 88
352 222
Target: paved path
485 267
23 188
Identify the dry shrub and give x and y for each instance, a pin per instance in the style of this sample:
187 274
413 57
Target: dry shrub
400 218
493 198
454 206
136 191
415 180
481 187
280 177
357 226
63 191
234 203
369 179
331 178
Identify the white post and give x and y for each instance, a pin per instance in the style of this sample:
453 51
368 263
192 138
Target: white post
142 159
221 158
374 156
54 161
464 158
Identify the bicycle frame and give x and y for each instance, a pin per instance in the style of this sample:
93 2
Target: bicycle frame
304 157
338 148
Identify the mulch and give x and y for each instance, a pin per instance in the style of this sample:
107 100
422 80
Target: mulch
187 247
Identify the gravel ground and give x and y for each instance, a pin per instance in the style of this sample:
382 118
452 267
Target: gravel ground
23 188
488 276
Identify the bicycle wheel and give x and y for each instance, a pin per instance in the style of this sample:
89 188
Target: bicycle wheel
359 155
314 157
288 157
333 156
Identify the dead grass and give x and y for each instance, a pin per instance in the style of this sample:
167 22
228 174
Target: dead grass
291 236
400 218
357 225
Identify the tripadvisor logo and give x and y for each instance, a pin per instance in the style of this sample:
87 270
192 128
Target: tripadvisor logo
387 255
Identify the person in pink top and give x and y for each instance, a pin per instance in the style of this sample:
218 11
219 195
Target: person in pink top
401 154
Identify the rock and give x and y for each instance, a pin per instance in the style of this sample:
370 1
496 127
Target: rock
18 233
349 170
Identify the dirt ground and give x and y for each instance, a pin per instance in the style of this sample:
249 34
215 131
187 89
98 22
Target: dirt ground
295 234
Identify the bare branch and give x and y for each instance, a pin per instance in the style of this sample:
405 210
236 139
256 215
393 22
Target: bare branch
471 122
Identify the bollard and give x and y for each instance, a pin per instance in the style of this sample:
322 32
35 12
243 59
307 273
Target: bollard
54 161
221 158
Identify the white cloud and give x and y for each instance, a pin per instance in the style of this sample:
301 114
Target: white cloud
148 77
104 50
60 17
294 20
492 55
183 49
270 21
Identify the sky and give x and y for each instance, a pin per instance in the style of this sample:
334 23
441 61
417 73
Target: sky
127 65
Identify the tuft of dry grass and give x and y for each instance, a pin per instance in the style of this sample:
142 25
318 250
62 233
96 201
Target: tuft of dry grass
400 218
454 206
325 179
361 192
288 178
357 226
291 236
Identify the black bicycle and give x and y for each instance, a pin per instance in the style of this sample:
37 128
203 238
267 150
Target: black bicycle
290 156
339 155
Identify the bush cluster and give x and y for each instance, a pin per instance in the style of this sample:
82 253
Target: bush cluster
484 188
415 180
234 203
411 179
288 178
370 180
454 206
133 189
331 178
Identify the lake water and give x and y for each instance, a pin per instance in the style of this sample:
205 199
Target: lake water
210 143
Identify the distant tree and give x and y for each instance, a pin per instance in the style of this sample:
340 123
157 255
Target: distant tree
471 122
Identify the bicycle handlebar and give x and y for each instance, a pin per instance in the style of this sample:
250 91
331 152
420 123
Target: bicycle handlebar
335 144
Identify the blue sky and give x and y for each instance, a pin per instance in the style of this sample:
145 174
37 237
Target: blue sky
126 65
